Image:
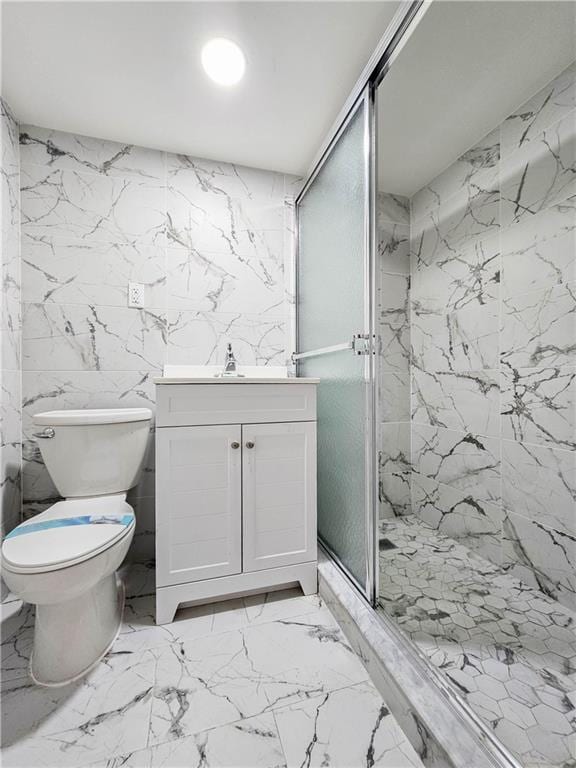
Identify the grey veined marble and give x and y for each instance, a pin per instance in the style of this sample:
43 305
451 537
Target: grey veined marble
506 648
212 243
266 680
10 327
485 350
549 105
541 173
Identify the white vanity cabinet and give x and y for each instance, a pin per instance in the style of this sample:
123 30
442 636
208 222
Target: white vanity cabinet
235 489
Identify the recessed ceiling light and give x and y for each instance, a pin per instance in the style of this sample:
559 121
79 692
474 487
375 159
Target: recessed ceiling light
223 61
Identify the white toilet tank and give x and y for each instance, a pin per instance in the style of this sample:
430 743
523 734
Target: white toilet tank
93 452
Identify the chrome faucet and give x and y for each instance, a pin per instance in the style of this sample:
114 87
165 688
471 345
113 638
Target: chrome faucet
230 364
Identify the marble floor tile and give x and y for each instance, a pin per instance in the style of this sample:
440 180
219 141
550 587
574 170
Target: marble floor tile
104 714
220 678
283 604
300 656
140 632
139 578
371 737
16 634
506 648
246 744
223 667
343 728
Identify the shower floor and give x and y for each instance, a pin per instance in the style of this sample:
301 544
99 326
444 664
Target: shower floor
507 649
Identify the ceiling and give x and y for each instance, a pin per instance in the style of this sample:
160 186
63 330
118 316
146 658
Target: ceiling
130 72
465 68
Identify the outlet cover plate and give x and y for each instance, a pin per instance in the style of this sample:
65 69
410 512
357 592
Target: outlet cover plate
135 294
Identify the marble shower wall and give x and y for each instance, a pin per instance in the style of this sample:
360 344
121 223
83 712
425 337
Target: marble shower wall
493 332
393 237
211 242
10 329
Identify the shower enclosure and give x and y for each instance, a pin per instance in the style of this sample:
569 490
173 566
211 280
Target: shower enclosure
436 301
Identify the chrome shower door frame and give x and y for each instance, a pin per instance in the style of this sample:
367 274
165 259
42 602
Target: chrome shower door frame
366 100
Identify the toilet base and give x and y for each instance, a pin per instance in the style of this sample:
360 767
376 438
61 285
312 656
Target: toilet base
72 637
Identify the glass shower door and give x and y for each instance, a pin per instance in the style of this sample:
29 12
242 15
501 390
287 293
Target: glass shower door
334 341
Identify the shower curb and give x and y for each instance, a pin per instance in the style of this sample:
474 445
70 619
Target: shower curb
444 732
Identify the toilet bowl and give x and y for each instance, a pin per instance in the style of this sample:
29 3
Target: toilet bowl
65 559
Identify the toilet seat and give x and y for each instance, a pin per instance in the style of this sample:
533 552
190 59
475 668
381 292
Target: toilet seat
47 548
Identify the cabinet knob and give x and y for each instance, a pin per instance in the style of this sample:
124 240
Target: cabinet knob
249 445
235 445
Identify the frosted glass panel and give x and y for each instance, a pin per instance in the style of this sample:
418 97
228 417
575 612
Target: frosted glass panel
331 309
341 456
331 246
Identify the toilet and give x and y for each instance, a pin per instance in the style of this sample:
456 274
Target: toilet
65 559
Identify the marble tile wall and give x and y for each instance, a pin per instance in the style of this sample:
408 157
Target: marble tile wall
212 243
493 330
10 328
393 225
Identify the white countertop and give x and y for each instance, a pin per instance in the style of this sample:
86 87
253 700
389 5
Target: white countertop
233 380
210 374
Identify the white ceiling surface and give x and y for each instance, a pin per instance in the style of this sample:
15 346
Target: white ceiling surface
467 66
130 72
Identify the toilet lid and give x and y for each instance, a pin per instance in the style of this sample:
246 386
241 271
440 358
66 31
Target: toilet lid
67 533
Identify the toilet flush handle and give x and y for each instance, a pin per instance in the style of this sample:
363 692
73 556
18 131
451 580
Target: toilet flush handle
47 432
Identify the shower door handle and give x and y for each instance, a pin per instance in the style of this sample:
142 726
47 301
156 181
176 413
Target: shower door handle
361 344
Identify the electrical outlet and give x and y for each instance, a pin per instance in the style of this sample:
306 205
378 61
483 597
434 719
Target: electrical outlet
135 294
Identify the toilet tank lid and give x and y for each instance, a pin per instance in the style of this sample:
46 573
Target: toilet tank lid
92 416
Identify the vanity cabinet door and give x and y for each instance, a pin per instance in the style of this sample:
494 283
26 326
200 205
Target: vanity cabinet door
198 504
279 494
